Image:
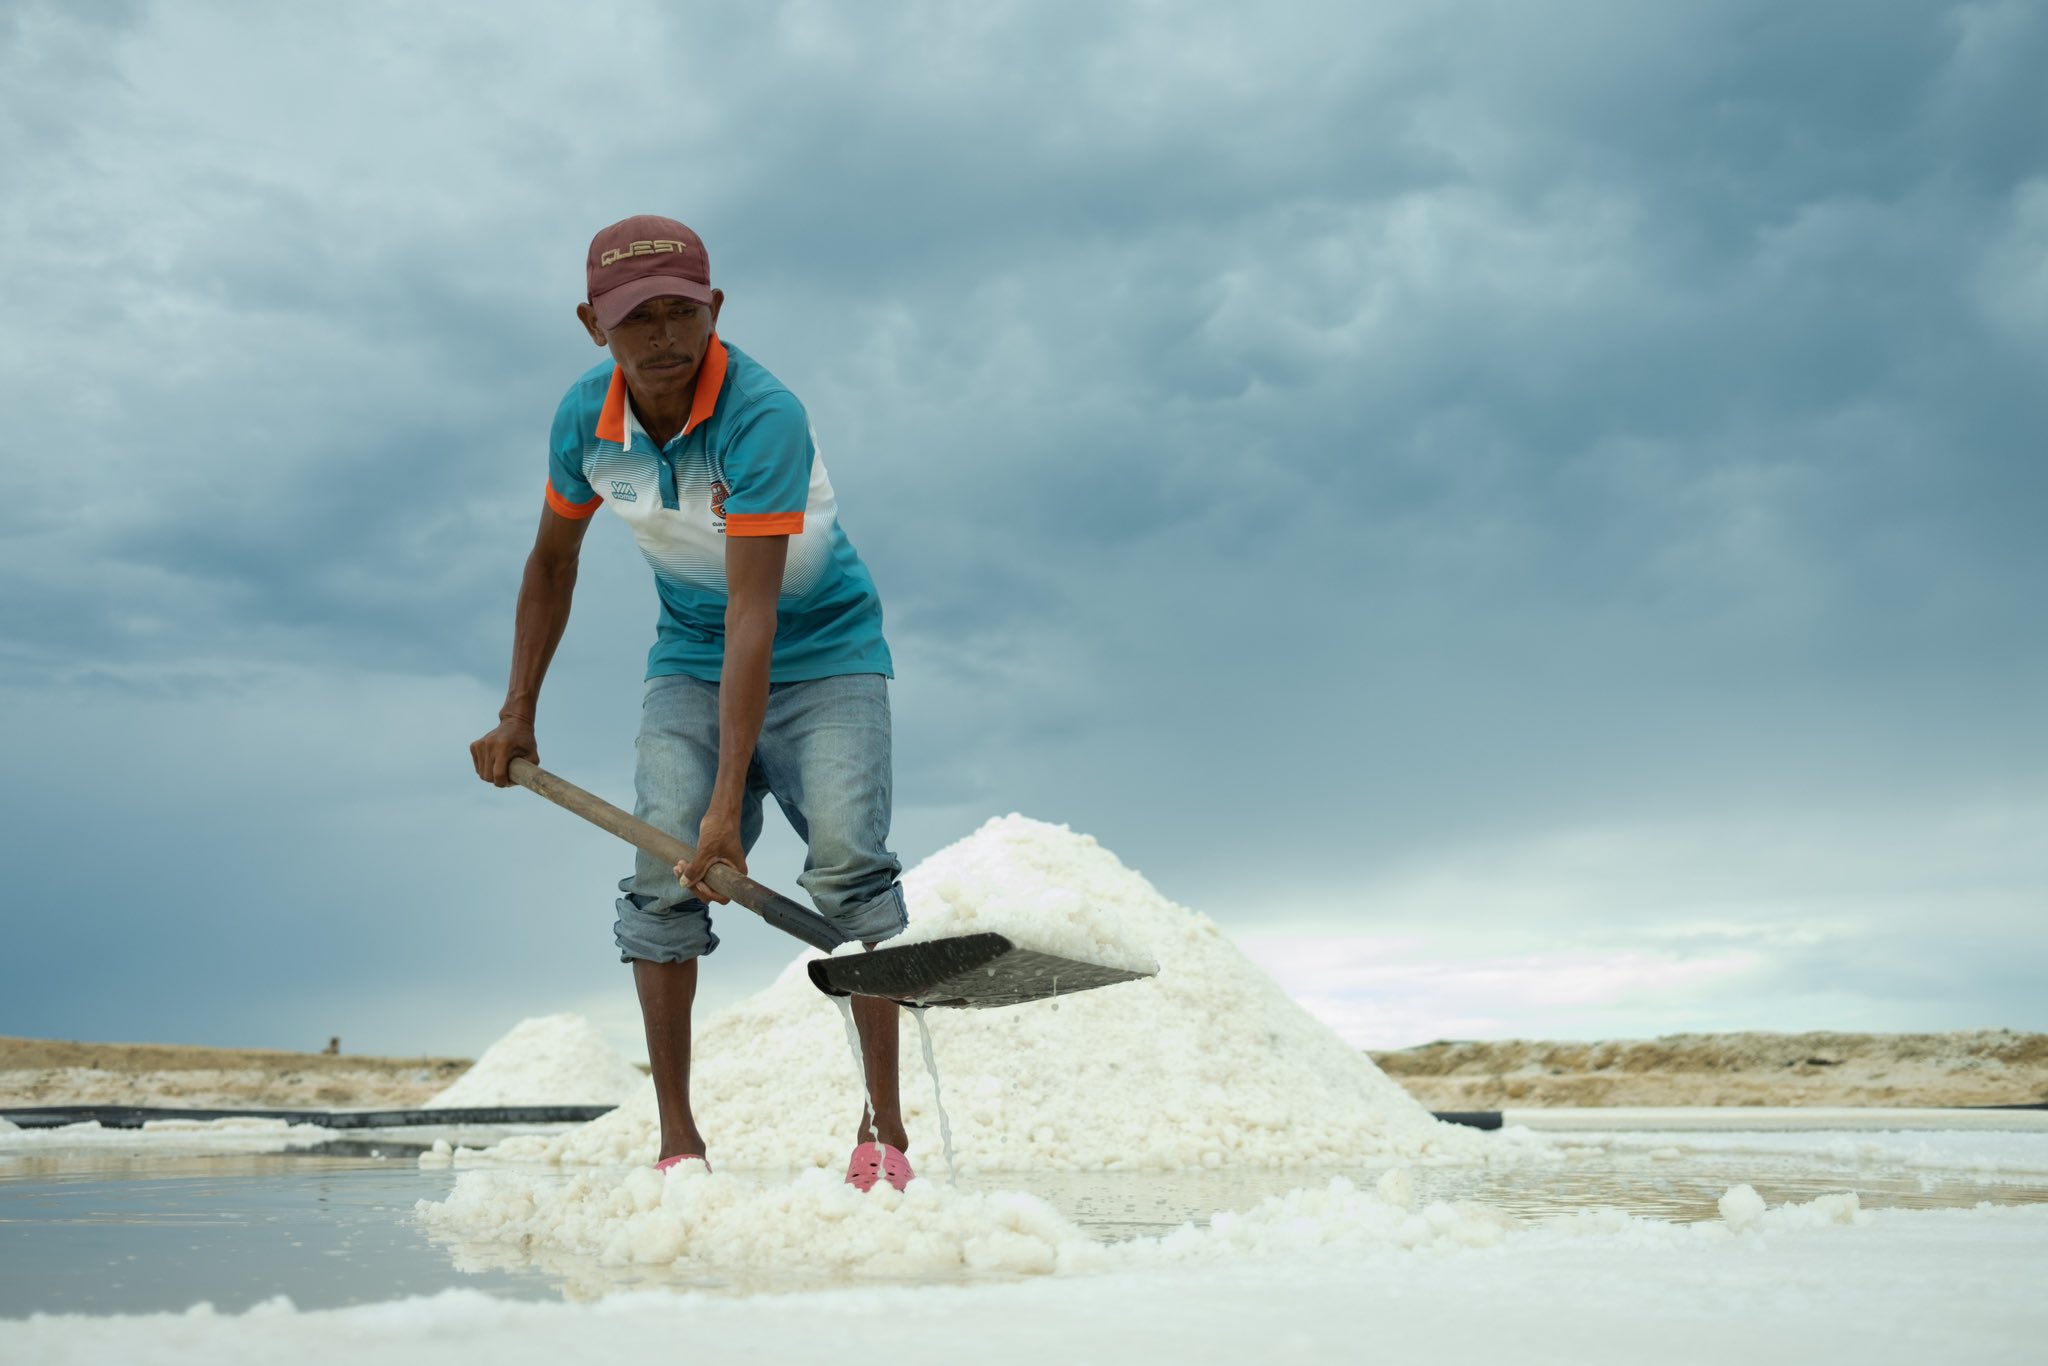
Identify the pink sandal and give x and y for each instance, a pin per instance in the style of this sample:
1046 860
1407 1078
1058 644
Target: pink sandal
668 1162
874 1162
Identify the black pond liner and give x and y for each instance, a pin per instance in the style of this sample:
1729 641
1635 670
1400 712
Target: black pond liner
135 1116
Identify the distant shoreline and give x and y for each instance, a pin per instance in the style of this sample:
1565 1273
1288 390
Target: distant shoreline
1964 1067
68 1072
1969 1067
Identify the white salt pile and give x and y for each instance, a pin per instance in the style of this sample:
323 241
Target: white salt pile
1208 1064
1043 887
547 1060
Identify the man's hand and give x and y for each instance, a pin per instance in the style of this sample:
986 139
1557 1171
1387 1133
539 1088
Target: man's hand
494 753
718 841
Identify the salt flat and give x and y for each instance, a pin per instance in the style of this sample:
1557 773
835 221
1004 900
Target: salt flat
1901 1287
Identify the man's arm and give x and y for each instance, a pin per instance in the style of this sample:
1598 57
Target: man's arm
753 582
545 591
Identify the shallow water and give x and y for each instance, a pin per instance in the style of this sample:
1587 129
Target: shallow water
1118 1205
87 1232
103 1234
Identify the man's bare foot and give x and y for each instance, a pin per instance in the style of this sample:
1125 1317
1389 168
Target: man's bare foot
688 1143
889 1131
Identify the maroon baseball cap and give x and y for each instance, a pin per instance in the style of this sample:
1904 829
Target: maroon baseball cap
642 258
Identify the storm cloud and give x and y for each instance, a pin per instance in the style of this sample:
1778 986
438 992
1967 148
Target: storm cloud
1466 494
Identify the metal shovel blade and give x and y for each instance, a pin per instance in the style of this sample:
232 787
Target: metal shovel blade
973 970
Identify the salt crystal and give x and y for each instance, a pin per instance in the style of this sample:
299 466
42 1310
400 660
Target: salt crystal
1741 1207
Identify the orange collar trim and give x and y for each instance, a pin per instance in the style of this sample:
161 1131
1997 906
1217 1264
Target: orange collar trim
611 420
710 379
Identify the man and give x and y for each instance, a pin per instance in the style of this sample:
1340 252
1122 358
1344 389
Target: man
768 674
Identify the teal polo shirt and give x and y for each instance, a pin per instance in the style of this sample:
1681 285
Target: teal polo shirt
745 464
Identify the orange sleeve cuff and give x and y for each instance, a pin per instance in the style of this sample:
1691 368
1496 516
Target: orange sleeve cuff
764 523
575 512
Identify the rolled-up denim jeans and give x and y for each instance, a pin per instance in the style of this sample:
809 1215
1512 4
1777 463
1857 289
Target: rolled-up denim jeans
823 755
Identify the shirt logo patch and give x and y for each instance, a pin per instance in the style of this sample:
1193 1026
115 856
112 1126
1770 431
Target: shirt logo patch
623 491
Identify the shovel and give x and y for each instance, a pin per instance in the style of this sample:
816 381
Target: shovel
983 969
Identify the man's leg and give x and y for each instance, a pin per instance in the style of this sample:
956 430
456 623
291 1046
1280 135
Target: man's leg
880 1023
825 749
666 992
662 930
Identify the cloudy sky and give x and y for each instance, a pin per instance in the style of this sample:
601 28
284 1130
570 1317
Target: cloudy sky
1530 516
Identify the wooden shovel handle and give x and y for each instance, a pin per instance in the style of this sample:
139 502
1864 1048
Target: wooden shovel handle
728 881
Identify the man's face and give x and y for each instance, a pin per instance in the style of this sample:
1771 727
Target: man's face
659 344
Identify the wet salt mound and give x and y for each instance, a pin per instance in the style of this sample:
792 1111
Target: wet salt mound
1208 1064
546 1060
818 1228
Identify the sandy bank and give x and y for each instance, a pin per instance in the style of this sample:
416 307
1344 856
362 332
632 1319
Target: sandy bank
64 1072
1964 1067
